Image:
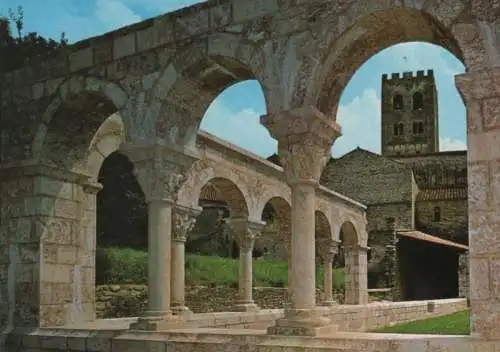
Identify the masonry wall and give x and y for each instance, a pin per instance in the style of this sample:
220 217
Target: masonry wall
453 224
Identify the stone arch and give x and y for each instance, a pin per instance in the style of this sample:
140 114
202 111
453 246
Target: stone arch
107 140
228 192
276 236
69 124
323 227
436 24
194 77
348 234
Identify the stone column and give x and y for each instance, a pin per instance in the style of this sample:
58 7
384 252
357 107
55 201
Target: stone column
161 171
327 253
305 137
184 222
356 286
245 232
481 93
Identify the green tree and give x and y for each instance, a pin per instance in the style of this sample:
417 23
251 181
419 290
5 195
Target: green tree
19 48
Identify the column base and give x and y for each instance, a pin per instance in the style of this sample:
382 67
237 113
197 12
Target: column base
245 307
159 323
182 311
328 303
303 322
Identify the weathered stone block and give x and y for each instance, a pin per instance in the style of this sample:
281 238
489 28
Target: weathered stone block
52 187
124 46
52 293
81 59
244 11
56 273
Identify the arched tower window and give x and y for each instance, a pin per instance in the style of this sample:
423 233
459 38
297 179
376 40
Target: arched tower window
418 101
398 129
397 102
437 214
418 127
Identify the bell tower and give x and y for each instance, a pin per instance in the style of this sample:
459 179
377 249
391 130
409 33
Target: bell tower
409 114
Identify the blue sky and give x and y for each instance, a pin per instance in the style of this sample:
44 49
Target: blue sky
234 115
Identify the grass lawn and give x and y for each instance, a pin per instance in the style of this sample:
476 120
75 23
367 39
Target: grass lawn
129 266
454 324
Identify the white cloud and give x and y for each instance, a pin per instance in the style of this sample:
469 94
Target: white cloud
360 121
447 144
241 128
115 14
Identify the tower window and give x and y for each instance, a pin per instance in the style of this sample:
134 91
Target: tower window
437 214
397 102
398 129
418 101
418 127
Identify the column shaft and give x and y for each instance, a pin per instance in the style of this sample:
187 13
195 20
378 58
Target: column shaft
303 245
328 282
245 276
178 275
159 248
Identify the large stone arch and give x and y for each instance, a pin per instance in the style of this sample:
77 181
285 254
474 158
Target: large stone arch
70 122
108 139
372 27
195 76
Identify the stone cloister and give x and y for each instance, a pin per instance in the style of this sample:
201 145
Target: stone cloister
160 75
246 183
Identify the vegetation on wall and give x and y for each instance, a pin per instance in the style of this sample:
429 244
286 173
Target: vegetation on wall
18 48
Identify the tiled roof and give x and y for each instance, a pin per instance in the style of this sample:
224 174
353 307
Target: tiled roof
456 193
433 239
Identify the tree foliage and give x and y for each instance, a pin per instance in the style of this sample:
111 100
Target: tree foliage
18 48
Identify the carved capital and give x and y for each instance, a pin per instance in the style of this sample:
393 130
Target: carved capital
161 170
305 136
184 220
328 249
245 231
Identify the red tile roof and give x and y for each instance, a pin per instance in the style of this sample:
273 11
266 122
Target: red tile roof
433 239
456 193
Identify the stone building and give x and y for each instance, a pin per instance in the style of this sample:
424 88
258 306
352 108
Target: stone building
416 195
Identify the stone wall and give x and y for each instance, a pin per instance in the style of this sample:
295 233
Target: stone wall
116 301
453 224
357 318
365 176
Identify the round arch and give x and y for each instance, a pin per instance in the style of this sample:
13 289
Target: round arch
363 39
199 73
323 227
107 140
275 238
228 192
348 235
70 122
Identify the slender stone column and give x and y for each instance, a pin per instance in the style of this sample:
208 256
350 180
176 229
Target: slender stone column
245 232
327 255
161 171
305 137
184 222
481 93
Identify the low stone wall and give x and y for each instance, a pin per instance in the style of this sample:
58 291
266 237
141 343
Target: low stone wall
376 315
119 301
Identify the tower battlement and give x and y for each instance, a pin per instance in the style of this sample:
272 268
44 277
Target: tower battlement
407 75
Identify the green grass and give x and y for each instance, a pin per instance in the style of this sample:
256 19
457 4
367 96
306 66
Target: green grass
129 266
454 324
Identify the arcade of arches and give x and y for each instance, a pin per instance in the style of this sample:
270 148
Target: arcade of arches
160 76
